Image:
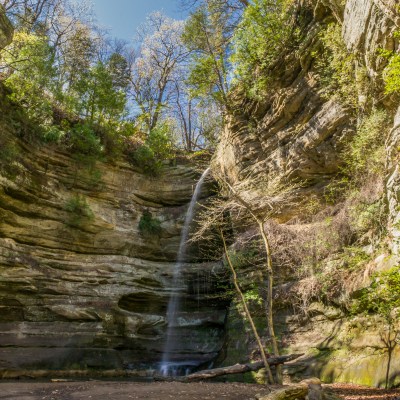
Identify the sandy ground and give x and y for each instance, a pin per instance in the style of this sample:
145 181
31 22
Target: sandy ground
115 390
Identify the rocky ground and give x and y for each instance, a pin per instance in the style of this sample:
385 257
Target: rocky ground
117 390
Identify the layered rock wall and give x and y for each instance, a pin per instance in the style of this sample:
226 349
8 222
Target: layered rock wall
295 132
86 290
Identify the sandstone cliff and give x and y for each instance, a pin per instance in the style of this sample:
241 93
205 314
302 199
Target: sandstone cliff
89 292
295 132
82 287
94 295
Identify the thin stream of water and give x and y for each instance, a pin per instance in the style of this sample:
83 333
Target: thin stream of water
168 367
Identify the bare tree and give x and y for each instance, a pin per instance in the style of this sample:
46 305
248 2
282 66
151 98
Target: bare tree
31 14
246 309
198 121
155 65
278 197
247 204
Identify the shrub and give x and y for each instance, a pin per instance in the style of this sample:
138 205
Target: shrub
9 159
144 158
150 155
242 259
30 66
84 141
391 74
365 153
79 210
263 32
382 296
336 67
8 153
52 134
116 137
149 226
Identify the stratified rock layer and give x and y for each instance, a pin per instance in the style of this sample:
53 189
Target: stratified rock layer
80 293
294 132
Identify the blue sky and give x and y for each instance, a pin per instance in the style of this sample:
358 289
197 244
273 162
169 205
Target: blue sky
122 17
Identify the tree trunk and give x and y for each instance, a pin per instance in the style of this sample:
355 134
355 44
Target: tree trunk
247 312
390 350
231 370
269 277
293 392
269 297
245 2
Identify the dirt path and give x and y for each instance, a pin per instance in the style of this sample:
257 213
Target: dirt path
98 390
355 392
115 390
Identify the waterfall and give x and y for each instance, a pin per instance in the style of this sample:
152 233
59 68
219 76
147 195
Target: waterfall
167 367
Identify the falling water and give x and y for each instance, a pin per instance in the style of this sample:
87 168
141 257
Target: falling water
167 367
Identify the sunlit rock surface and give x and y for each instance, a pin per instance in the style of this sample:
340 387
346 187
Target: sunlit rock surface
296 133
93 296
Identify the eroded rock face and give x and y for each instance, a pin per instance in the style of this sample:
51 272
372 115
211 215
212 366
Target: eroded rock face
92 294
368 27
393 184
295 133
291 134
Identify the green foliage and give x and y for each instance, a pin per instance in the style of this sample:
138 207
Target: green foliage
363 167
52 134
144 157
157 147
95 95
79 211
241 259
336 67
118 70
367 217
337 189
391 74
365 153
253 296
8 153
149 226
9 157
354 258
84 143
264 31
59 68
97 98
382 297
207 36
30 59
333 279
203 77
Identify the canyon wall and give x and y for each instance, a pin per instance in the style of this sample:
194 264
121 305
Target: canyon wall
82 287
295 132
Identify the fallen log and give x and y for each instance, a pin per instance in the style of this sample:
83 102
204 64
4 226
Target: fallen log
310 389
231 370
293 392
